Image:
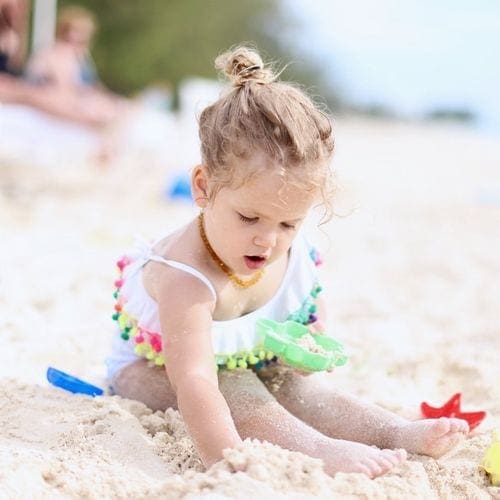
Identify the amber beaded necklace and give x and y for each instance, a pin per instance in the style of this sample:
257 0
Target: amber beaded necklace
234 279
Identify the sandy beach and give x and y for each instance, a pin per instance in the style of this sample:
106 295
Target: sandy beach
412 283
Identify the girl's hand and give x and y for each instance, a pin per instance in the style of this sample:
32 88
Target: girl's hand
318 327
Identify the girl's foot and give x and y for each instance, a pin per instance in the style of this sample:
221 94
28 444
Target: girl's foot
433 437
348 456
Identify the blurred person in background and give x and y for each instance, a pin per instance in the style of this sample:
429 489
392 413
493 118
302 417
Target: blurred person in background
13 21
61 81
67 63
66 68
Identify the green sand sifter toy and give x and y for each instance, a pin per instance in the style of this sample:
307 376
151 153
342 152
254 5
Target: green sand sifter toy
296 346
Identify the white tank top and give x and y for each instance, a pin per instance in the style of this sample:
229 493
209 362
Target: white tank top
228 337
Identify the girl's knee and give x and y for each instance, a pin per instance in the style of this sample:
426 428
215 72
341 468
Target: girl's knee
242 387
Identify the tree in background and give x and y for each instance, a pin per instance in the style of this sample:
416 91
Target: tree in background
164 41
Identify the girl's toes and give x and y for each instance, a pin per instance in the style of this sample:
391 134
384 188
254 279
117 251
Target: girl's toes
458 425
463 426
375 468
391 457
440 427
366 471
454 425
385 463
394 456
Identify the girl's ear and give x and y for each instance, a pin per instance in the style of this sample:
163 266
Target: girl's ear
199 186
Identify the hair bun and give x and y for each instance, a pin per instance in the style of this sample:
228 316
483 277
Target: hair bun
242 65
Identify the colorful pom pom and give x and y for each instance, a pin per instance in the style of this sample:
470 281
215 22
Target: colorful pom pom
160 360
156 343
123 262
253 360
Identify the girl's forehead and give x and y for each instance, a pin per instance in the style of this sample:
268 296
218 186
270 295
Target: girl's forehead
271 195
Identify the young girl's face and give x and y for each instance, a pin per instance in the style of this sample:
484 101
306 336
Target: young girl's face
251 226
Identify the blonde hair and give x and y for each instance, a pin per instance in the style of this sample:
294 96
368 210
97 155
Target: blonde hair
261 113
74 15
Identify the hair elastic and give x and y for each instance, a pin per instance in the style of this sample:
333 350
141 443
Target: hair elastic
244 71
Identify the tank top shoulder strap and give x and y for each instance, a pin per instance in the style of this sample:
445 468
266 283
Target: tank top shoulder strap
188 269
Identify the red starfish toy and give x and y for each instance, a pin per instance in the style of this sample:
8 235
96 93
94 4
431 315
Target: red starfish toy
452 409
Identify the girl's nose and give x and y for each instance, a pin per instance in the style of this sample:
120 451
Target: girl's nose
265 240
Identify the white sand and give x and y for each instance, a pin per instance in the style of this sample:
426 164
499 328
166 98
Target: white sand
412 273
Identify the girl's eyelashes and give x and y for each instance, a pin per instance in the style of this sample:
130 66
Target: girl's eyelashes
251 220
247 219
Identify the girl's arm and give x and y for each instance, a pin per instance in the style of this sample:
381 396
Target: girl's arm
186 307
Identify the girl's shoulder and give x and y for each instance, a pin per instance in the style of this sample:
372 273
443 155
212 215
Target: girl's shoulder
174 261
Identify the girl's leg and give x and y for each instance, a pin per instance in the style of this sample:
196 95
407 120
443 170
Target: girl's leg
314 400
257 414
144 383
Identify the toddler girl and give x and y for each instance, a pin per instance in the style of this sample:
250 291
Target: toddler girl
190 301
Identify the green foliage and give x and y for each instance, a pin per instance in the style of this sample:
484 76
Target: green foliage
165 41
451 114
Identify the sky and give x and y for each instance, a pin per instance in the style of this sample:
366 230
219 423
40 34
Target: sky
410 56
